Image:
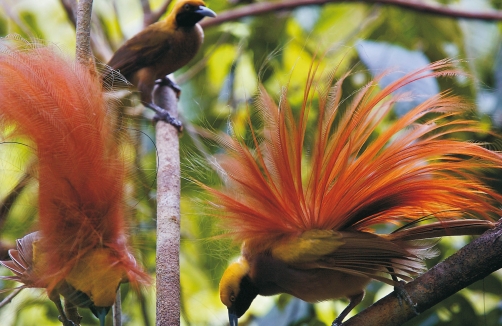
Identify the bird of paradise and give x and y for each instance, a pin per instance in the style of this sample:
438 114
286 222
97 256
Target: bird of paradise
81 250
304 206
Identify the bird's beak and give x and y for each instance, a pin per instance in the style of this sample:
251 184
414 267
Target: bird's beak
101 313
232 318
204 11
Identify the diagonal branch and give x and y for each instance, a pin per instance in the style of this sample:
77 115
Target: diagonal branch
70 7
475 261
152 17
261 8
149 16
11 296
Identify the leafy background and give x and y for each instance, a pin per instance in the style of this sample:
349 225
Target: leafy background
218 88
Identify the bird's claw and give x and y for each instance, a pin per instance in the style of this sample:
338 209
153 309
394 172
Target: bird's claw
65 321
168 81
403 295
163 115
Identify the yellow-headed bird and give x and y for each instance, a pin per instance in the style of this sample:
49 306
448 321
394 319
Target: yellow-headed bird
304 205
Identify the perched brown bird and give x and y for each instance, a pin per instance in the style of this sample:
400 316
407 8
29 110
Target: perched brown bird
161 49
305 204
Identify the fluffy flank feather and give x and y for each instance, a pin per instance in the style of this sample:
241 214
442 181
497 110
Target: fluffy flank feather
60 106
346 178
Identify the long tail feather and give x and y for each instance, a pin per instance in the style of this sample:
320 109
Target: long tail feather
442 229
60 106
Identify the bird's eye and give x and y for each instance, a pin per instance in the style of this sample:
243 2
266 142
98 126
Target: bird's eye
232 298
186 7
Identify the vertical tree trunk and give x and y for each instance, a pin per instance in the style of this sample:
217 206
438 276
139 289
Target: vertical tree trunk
168 213
83 50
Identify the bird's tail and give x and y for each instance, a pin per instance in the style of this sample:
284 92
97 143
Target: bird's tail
357 169
60 106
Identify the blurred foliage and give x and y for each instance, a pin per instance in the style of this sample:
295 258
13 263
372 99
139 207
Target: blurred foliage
273 49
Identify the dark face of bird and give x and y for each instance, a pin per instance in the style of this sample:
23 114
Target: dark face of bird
191 12
237 290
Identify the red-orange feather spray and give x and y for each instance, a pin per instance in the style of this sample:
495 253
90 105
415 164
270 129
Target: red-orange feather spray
409 171
60 105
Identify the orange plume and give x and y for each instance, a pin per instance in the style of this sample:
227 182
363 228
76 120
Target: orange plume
345 177
60 105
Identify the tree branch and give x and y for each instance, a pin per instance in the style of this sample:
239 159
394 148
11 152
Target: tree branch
117 310
11 296
261 8
152 17
83 51
168 213
69 7
475 261
145 5
8 202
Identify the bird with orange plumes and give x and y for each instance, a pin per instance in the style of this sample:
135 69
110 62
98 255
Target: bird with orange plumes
81 250
305 206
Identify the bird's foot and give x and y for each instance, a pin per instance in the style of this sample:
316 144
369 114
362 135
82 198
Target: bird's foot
354 301
161 114
403 295
65 321
168 81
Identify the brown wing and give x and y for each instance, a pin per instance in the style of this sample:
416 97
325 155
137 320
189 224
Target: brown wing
371 255
142 50
374 256
357 253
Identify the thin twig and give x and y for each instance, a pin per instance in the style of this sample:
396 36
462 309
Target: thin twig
145 5
70 7
117 309
261 8
11 296
155 16
168 213
144 309
9 201
475 261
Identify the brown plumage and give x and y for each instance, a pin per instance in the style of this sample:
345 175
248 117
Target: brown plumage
304 206
162 48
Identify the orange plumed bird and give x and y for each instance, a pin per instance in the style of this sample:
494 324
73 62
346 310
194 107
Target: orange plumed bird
304 206
81 249
160 49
